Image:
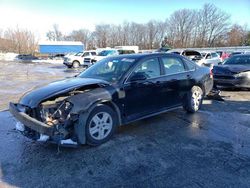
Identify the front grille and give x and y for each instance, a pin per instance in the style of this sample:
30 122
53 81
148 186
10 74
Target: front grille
224 77
88 60
220 71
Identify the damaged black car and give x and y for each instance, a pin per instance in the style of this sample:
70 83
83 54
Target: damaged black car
115 91
234 72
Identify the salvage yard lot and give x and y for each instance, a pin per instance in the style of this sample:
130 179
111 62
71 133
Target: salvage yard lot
208 149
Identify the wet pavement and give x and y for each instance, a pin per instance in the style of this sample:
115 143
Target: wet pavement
17 78
208 149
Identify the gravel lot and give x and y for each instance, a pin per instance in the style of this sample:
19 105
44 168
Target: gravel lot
208 149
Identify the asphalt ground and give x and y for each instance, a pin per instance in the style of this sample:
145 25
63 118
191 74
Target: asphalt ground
210 148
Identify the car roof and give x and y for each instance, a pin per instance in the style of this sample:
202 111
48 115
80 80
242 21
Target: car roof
144 55
208 52
182 50
241 55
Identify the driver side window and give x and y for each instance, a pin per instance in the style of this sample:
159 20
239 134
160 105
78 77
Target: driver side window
150 68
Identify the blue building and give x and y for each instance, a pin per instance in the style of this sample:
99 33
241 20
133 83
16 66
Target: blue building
60 47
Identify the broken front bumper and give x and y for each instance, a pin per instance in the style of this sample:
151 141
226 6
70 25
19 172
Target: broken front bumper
233 82
30 122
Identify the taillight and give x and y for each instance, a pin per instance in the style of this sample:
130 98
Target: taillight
211 73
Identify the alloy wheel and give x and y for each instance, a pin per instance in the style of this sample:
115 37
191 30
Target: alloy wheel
100 125
196 99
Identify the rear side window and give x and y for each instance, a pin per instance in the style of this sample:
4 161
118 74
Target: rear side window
172 65
126 51
93 53
190 64
215 55
86 54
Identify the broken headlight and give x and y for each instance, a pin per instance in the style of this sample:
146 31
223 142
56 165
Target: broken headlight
243 74
55 113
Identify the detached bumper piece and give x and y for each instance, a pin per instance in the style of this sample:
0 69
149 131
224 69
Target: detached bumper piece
30 122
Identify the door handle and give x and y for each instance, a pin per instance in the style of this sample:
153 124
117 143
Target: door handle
158 83
173 80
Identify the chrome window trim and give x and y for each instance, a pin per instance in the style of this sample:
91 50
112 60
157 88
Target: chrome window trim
125 82
192 70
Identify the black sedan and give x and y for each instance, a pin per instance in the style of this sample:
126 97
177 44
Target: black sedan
115 91
26 58
235 72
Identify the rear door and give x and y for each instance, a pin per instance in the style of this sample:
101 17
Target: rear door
177 80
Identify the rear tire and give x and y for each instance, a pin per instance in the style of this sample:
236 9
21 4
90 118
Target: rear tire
76 64
193 100
101 125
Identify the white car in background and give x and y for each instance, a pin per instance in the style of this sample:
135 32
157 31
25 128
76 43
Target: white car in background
77 60
189 53
209 59
100 56
110 52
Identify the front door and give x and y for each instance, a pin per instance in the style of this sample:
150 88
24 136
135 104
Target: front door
142 96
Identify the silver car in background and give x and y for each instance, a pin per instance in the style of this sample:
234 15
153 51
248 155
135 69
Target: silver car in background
209 59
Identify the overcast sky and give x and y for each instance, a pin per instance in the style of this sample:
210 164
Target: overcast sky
40 15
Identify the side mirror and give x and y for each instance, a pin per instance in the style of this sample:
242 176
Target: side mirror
138 77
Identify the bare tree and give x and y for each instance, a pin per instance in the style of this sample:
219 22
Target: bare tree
1 33
247 39
206 27
82 35
21 40
213 24
55 34
197 28
180 27
101 35
235 36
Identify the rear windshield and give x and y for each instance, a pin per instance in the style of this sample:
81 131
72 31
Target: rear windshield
191 53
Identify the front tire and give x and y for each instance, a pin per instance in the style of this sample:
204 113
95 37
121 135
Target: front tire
101 125
193 100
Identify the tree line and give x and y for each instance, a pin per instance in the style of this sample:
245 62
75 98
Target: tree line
185 28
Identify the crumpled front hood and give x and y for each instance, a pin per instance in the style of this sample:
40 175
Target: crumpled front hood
33 98
234 69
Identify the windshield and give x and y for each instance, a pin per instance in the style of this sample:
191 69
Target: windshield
108 52
238 60
109 69
79 54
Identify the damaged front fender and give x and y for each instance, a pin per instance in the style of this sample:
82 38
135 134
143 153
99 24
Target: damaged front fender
82 102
